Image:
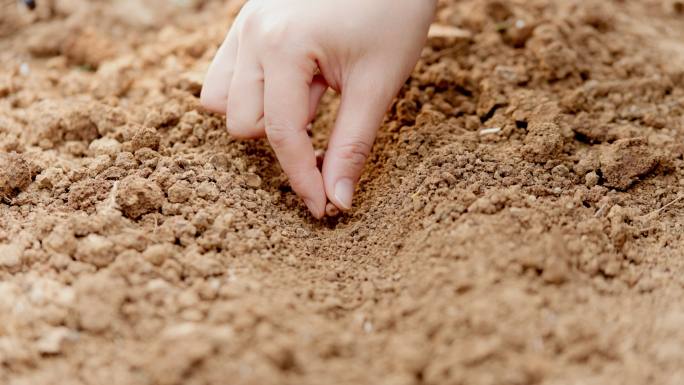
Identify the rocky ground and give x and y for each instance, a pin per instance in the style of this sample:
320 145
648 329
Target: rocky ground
521 220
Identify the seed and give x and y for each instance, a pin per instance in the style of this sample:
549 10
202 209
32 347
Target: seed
331 210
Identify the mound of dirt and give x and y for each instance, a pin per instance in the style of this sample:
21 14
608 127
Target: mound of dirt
519 221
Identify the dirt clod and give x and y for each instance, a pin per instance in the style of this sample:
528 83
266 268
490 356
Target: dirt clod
158 254
15 174
95 249
10 256
180 192
519 219
145 137
138 196
625 161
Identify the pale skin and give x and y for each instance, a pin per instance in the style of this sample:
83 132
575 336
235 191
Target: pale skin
279 58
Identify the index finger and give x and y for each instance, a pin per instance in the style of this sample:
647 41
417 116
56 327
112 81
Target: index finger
286 111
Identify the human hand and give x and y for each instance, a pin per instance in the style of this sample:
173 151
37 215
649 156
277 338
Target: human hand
279 58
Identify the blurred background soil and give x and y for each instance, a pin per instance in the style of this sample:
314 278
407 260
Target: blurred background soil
521 219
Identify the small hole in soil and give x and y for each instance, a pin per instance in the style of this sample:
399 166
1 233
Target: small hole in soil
285 188
583 138
521 124
600 175
464 91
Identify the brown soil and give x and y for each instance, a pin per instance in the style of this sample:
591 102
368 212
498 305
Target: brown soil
521 220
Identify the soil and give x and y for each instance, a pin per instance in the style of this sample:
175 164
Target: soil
520 221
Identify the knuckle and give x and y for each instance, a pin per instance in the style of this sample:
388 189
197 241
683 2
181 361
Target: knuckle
274 39
278 133
238 126
271 34
355 153
298 181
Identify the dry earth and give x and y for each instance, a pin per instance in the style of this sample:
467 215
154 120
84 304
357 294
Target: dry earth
520 221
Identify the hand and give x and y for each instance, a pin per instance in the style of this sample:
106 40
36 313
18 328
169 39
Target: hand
279 58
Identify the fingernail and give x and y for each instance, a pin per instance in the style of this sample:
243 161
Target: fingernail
344 191
312 207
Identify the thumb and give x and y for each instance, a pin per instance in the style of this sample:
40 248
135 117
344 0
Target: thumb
362 108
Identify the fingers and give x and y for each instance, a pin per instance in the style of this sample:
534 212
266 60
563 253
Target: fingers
214 96
287 109
362 108
245 111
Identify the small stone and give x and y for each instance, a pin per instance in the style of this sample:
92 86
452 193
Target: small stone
10 256
253 180
95 249
105 146
180 192
591 179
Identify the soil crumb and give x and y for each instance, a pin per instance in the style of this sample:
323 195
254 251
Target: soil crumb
519 221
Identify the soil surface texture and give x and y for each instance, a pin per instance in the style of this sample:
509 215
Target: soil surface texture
520 221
